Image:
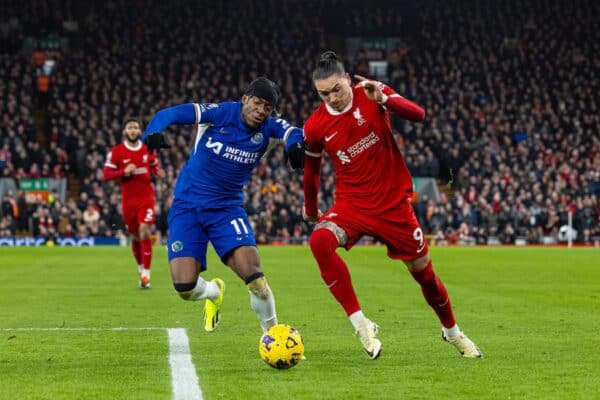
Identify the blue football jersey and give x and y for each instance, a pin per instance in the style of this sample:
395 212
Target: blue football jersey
225 152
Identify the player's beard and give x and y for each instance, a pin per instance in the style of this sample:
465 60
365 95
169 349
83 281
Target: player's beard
132 142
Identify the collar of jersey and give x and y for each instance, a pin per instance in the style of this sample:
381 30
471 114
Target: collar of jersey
136 148
348 107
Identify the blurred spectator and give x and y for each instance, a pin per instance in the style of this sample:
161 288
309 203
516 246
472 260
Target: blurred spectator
510 91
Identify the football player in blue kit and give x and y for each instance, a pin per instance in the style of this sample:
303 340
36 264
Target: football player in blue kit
207 206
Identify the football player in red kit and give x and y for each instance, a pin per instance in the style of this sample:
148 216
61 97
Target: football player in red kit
131 163
373 190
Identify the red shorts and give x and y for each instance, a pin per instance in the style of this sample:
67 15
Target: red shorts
137 214
399 229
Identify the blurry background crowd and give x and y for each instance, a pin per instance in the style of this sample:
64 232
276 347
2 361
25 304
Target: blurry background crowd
511 91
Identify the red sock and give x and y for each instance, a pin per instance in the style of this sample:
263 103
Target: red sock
137 252
146 250
334 271
436 294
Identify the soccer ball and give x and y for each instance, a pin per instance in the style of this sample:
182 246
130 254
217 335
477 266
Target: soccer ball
281 347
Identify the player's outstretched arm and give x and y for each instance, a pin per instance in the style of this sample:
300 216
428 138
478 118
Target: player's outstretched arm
405 108
183 114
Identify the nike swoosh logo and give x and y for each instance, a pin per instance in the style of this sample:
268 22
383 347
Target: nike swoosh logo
127 160
444 303
332 283
328 138
372 354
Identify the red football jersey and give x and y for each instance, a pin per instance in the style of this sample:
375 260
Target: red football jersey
136 188
370 172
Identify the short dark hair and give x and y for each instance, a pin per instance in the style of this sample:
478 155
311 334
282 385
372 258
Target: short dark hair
132 119
328 64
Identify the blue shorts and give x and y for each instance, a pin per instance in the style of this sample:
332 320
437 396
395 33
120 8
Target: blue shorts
191 228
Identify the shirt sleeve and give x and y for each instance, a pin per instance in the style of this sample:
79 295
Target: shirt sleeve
210 113
284 132
183 114
111 167
312 168
401 106
112 160
312 142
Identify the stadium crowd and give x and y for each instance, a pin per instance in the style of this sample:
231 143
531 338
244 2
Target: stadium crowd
510 89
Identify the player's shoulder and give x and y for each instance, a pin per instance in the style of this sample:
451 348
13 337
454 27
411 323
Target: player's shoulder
215 108
277 124
222 106
317 119
117 149
221 112
359 96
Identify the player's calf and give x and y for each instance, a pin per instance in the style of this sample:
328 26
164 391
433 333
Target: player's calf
185 290
262 300
198 290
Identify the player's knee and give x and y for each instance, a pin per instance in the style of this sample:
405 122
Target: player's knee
144 232
418 264
257 285
323 242
423 274
184 290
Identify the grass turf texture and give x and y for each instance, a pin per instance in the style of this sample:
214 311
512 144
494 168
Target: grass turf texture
533 312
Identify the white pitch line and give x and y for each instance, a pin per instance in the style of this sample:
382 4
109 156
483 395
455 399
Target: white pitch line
183 372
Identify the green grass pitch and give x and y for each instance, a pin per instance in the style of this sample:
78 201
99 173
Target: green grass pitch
534 312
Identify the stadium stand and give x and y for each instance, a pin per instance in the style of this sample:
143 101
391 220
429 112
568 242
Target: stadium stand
510 89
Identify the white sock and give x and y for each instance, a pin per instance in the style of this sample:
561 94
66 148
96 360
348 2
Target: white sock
264 307
140 269
451 332
146 273
204 290
356 318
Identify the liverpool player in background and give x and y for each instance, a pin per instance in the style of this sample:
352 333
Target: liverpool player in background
373 190
131 163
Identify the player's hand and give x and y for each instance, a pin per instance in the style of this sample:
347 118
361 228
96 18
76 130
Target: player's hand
129 169
311 218
372 89
161 173
155 141
295 155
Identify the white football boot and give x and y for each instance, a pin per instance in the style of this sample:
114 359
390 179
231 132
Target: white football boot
367 333
465 346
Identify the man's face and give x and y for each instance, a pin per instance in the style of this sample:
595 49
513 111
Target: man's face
132 132
335 91
255 110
